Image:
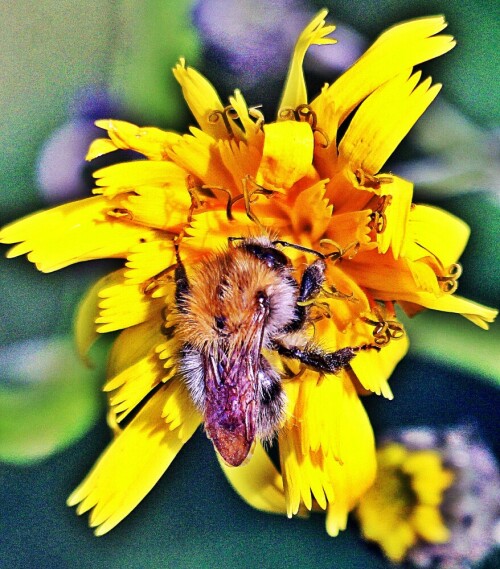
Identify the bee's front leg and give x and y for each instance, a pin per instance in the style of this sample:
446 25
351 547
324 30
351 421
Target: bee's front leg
310 285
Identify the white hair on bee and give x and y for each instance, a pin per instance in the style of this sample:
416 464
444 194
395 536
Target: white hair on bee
191 369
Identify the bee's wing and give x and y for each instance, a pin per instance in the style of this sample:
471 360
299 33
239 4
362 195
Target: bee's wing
231 384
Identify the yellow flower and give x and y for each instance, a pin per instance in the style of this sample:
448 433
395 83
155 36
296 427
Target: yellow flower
237 176
403 504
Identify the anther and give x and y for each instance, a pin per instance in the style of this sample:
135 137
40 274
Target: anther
120 213
378 217
333 292
369 180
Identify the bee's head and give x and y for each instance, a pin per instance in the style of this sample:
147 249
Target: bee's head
245 292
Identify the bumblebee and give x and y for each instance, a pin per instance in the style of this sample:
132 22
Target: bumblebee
234 305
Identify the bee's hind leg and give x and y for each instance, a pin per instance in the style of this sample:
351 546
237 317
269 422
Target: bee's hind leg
320 360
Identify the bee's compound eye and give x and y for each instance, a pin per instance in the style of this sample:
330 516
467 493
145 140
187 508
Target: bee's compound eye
273 258
220 322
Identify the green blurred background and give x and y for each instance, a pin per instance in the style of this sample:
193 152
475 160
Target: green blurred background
49 51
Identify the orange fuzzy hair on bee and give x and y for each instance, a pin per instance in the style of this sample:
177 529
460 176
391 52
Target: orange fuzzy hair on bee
224 299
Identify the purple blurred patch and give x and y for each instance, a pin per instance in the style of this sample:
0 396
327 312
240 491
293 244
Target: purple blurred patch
254 39
62 172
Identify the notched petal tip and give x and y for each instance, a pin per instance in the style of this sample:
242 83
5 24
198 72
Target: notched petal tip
294 93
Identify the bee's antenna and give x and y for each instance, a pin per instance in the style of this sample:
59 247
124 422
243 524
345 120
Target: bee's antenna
300 248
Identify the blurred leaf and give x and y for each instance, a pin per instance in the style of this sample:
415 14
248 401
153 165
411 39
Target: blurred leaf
461 156
153 36
48 398
50 50
450 339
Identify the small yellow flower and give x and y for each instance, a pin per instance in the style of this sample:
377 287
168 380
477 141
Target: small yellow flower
236 176
403 504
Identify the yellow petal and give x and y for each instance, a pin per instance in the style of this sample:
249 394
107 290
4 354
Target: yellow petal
294 93
477 313
310 214
391 455
203 102
373 369
146 260
133 463
199 154
99 147
240 159
345 192
163 208
128 176
88 310
251 119
356 474
150 141
209 232
391 279
287 155
257 482
396 50
326 447
396 214
174 410
131 386
383 120
429 524
123 304
398 540
347 228
133 344
435 231
71 233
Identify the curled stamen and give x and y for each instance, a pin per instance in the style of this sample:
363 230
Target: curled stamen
365 347
385 330
287 114
227 114
256 114
395 329
305 302
120 213
197 193
349 252
307 114
449 282
326 142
